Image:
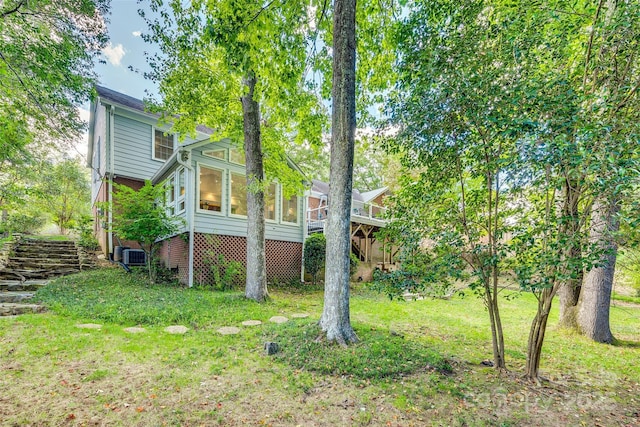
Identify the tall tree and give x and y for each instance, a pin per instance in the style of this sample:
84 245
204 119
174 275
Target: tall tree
47 50
65 192
335 321
611 79
239 68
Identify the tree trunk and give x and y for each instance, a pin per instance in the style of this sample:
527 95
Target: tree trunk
497 336
593 311
335 321
569 291
256 283
536 334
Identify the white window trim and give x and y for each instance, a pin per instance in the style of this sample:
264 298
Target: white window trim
224 150
169 206
153 143
180 197
282 220
232 215
223 204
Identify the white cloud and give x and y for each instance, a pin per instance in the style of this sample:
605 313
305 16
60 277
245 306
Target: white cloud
114 53
137 33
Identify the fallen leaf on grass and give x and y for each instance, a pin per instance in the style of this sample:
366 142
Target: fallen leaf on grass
139 409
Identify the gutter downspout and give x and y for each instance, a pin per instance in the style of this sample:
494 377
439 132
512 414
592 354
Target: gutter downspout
111 177
305 228
189 193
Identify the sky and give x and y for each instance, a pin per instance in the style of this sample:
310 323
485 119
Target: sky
125 48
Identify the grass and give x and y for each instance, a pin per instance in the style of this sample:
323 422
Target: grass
417 363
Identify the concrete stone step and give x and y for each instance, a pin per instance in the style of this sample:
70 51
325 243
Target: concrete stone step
30 274
15 297
18 286
21 252
12 309
41 262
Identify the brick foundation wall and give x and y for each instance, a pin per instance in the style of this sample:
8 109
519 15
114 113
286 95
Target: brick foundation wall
174 253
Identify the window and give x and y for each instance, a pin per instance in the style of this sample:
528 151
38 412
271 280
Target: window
270 202
162 145
236 156
181 189
216 154
238 194
290 209
210 197
170 195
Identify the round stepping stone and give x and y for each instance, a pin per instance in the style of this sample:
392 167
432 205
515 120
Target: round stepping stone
229 330
176 329
278 319
251 323
89 326
300 315
135 330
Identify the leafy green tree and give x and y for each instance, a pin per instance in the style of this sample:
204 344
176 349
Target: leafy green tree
141 216
315 254
239 67
455 101
65 193
46 61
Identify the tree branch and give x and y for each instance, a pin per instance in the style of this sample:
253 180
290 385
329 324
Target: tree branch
590 44
14 10
29 93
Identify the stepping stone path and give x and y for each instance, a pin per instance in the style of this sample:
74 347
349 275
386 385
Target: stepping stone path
135 330
229 330
278 319
89 326
251 323
300 315
176 329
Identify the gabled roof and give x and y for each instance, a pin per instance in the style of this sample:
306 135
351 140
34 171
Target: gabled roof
371 195
323 188
111 96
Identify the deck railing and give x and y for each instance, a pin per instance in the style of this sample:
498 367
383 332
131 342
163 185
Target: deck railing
316 217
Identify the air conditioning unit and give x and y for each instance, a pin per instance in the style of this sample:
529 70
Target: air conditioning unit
134 257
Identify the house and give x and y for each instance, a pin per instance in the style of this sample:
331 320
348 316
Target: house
367 218
206 186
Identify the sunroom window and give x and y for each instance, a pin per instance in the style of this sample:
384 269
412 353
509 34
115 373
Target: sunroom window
210 197
238 194
290 209
270 202
236 156
181 189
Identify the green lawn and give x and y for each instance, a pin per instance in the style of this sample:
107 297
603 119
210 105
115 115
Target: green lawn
418 362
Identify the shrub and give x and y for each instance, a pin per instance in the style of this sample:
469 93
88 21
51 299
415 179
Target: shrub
224 272
25 223
315 252
84 227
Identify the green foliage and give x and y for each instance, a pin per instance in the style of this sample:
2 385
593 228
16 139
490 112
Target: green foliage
46 67
215 46
353 264
23 222
225 273
64 192
315 252
86 237
112 295
141 216
379 356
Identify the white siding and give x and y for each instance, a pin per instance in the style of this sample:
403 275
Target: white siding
132 149
99 145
